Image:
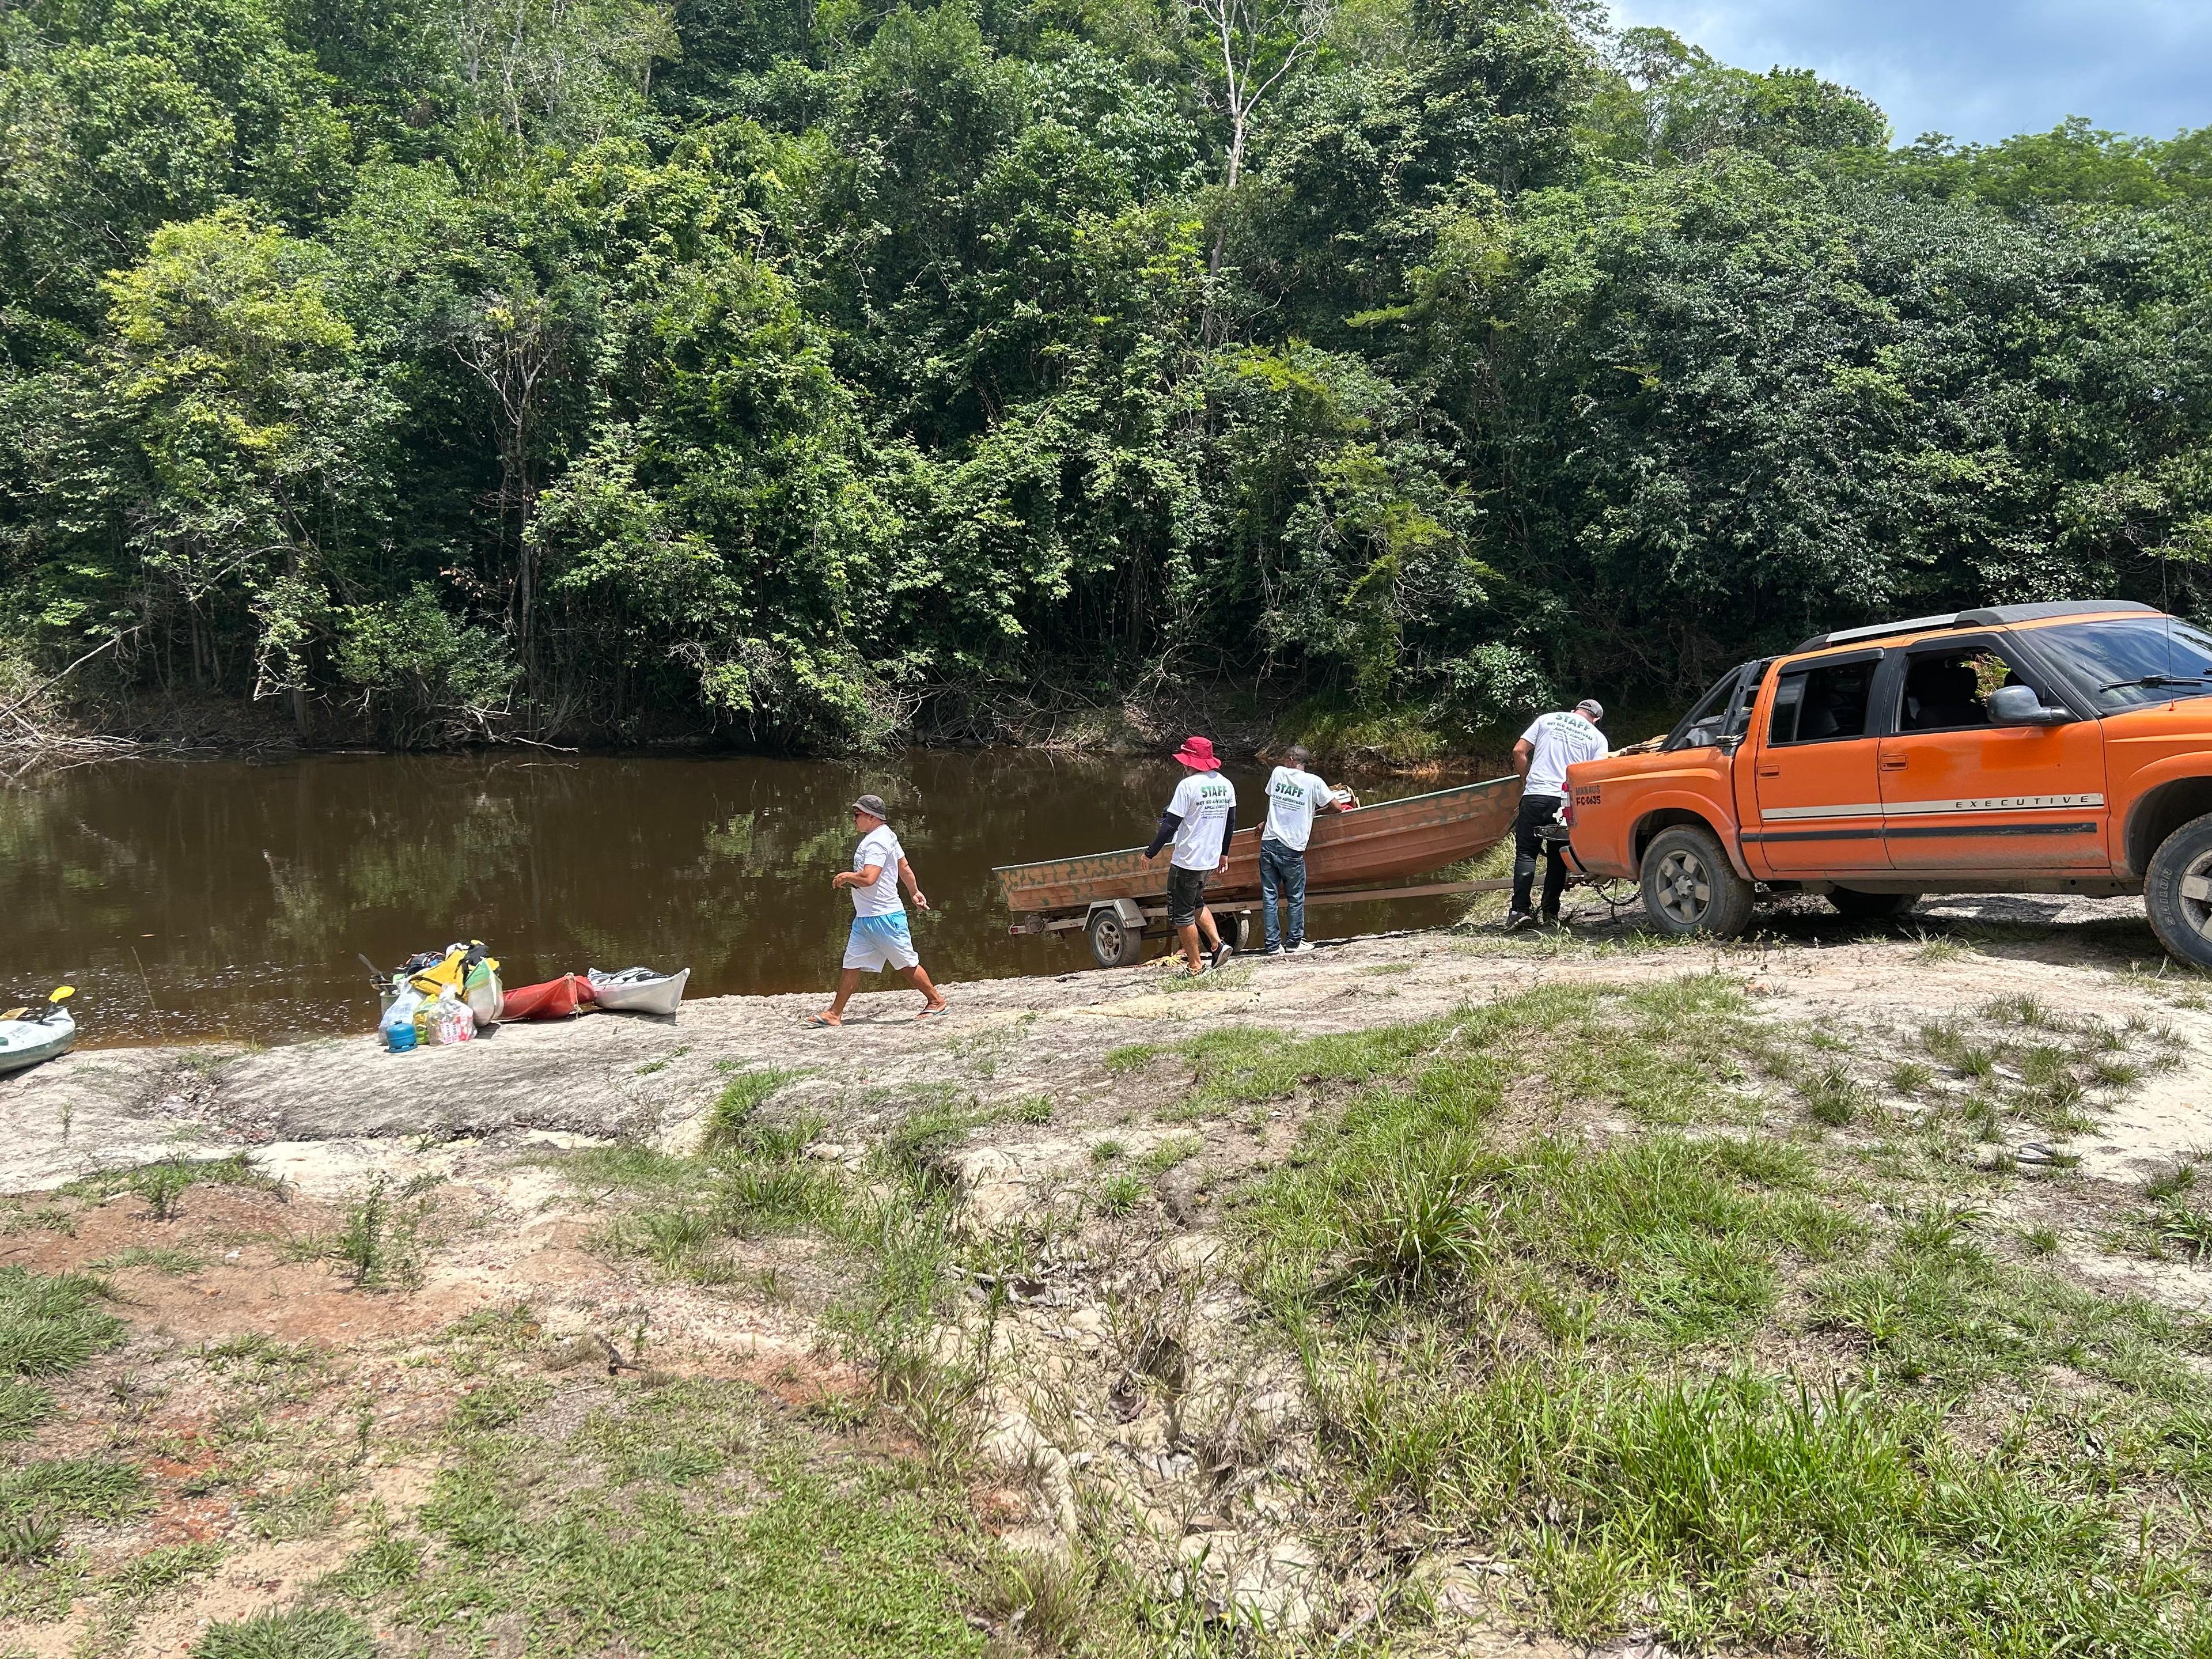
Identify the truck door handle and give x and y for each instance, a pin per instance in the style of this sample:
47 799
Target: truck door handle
1769 771
1893 763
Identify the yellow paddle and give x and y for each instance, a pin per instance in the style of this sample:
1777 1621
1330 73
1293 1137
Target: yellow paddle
60 995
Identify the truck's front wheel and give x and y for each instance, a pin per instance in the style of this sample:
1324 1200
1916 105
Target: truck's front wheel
2178 891
1690 887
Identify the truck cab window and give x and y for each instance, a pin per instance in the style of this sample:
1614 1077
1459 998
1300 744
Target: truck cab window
1703 724
1822 702
1949 690
1723 712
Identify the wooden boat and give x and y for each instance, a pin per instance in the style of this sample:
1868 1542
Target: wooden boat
1372 844
639 990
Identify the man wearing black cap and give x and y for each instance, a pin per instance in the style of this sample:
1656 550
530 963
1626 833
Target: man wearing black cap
880 938
1552 743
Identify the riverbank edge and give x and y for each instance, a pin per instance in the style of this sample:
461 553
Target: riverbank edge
1244 718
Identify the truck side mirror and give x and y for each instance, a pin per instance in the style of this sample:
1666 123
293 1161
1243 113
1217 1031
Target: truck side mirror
2022 705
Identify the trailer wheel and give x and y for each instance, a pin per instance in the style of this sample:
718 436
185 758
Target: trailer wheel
1690 887
1114 943
1871 907
2178 891
1240 929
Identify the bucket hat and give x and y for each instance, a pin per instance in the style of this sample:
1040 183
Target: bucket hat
873 806
1197 753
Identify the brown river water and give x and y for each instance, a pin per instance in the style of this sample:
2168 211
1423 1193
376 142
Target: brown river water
230 898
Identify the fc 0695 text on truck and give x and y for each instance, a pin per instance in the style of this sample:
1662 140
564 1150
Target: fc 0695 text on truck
2020 748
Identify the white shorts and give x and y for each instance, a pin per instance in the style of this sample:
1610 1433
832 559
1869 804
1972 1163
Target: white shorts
879 942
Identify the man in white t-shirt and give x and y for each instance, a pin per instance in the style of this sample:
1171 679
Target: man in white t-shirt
1201 816
1294 795
1552 743
880 938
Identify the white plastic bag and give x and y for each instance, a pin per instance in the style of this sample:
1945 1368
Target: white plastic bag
450 1018
400 1015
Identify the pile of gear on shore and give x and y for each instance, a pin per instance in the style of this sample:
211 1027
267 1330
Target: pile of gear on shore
455 995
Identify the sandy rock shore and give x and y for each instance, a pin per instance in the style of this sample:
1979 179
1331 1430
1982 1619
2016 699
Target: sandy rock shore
325 1109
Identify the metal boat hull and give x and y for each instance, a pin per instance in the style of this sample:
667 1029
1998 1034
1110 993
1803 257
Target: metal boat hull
1396 839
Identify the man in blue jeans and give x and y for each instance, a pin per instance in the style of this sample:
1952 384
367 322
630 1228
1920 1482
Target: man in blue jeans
1294 795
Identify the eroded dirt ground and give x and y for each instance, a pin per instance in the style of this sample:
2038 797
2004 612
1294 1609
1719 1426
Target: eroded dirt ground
293 1397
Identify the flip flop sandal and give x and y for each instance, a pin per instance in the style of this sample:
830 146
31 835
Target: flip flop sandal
825 1024
932 1013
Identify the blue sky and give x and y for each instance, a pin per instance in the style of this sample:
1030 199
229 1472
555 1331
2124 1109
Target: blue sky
1979 69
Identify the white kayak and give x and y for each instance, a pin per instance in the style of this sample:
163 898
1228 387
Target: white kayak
27 1042
639 990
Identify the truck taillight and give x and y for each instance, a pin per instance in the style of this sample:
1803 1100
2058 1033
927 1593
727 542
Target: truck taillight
1567 814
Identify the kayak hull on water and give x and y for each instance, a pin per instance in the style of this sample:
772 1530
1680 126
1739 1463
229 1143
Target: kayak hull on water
27 1042
638 991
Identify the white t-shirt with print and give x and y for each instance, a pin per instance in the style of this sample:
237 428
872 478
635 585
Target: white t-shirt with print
1560 740
881 898
1202 800
1293 798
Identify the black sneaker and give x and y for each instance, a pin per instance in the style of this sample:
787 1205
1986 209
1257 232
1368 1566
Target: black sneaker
1272 950
1519 921
1551 919
1223 952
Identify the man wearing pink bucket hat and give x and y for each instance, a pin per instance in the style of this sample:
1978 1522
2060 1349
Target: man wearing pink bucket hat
1201 817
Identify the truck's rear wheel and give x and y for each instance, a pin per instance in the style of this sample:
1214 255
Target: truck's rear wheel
1871 907
1114 942
2178 891
1690 887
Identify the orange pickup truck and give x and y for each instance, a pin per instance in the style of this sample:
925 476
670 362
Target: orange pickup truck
2020 748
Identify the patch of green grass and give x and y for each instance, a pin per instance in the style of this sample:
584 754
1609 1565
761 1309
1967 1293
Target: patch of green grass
2171 1182
1833 1096
158 1569
384 1564
637 1548
2186 1229
1132 1056
379 1243
23 1407
1120 1195
1734 1510
921 1144
164 1182
730 1119
1240 1064
1909 1077
294 1633
1936 1307
53 1323
1231 978
1034 1109
160 1258
1531 1340
1106 1150
303 1508
70 1488
1170 1151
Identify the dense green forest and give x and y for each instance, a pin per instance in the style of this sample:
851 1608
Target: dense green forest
441 369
